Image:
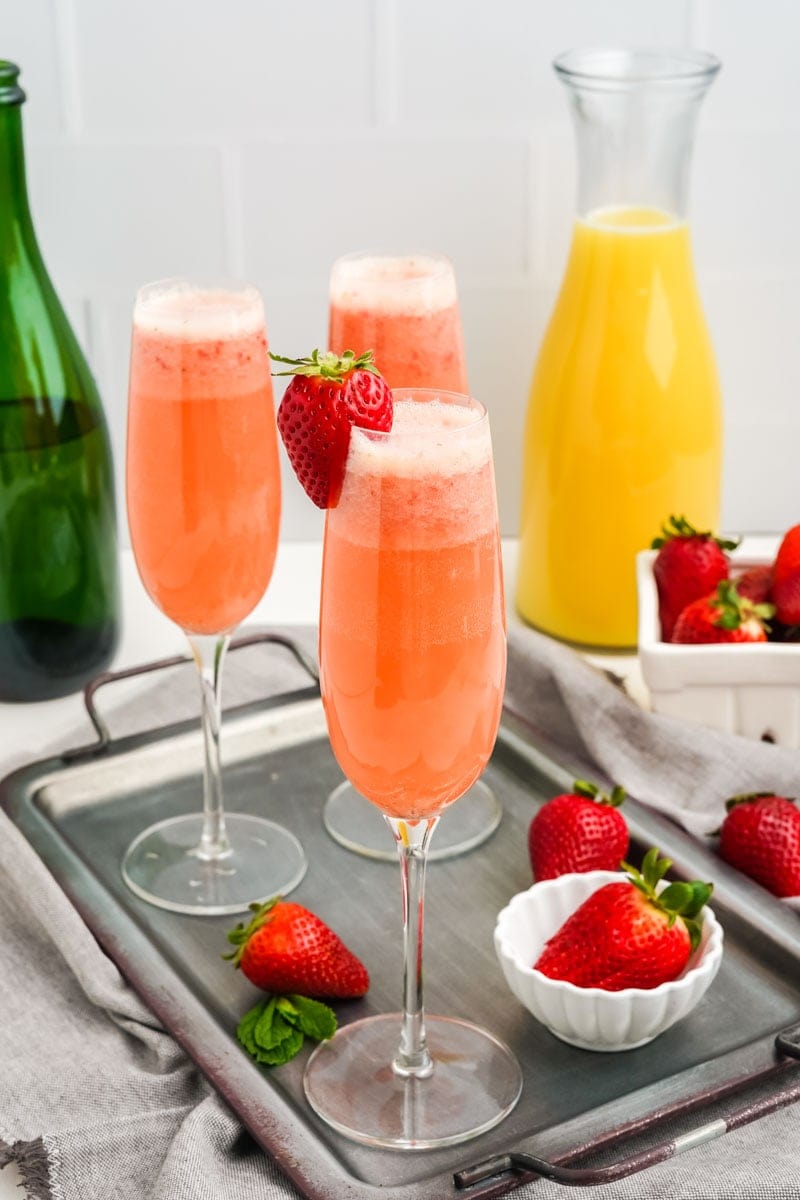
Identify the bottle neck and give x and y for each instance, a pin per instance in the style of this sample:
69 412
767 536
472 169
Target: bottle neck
15 217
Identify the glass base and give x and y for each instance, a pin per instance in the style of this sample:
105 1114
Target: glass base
359 826
160 865
349 1082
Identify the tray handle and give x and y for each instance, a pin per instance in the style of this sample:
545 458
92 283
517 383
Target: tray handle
496 1173
104 737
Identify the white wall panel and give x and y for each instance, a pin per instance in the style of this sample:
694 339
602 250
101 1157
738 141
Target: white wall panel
192 137
199 69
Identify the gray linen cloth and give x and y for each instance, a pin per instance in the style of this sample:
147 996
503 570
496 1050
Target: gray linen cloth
97 1101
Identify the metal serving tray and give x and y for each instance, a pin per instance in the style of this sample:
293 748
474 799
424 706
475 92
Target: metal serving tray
582 1118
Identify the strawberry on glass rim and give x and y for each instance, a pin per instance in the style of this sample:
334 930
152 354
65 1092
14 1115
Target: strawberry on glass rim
328 394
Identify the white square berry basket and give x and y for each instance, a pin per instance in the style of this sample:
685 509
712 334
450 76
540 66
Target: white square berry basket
753 690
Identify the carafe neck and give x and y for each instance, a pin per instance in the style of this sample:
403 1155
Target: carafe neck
635 114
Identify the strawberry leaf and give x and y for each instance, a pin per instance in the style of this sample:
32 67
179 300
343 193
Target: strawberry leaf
327 365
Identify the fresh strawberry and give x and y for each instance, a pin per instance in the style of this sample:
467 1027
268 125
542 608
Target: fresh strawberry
760 836
628 934
287 949
329 394
786 578
755 584
689 564
724 616
582 830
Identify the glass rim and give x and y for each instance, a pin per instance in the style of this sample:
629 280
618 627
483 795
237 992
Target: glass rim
442 264
208 285
179 307
427 396
608 67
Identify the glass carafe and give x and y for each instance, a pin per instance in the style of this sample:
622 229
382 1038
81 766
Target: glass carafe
624 421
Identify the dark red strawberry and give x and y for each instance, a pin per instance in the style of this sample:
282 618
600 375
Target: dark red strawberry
328 394
760 836
287 949
722 617
582 830
689 564
755 584
628 934
786 578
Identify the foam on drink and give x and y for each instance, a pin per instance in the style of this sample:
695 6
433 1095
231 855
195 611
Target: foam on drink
432 486
176 309
402 284
214 338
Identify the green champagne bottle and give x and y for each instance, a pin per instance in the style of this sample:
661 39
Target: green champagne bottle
58 544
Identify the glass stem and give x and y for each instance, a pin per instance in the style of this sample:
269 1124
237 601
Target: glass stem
209 653
412 840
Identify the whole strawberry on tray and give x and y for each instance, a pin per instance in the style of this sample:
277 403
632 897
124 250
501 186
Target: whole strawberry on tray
581 830
760 836
630 934
291 954
286 948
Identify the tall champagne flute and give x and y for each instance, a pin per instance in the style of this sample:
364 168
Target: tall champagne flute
403 307
203 495
412 657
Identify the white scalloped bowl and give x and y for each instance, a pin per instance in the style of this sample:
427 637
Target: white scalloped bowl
593 1018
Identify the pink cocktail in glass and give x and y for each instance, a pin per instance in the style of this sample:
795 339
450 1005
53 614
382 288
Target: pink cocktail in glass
405 309
412 662
204 501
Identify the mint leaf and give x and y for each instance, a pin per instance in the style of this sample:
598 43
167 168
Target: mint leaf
275 1033
316 1020
274 1030
244 1030
280 1054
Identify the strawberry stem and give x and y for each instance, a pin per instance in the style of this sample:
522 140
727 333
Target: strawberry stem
328 365
679 899
734 609
590 791
679 527
240 936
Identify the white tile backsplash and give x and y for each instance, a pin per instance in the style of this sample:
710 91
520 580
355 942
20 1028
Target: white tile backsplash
191 70
265 138
466 64
462 196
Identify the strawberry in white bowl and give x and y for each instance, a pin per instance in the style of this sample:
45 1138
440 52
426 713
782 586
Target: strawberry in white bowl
602 961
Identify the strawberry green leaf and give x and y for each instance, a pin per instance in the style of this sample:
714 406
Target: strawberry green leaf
327 365
677 897
679 527
582 787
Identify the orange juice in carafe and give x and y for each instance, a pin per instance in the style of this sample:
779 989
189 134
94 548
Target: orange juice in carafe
624 419
624 424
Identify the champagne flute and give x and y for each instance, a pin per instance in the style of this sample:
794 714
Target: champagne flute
403 307
204 498
412 658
